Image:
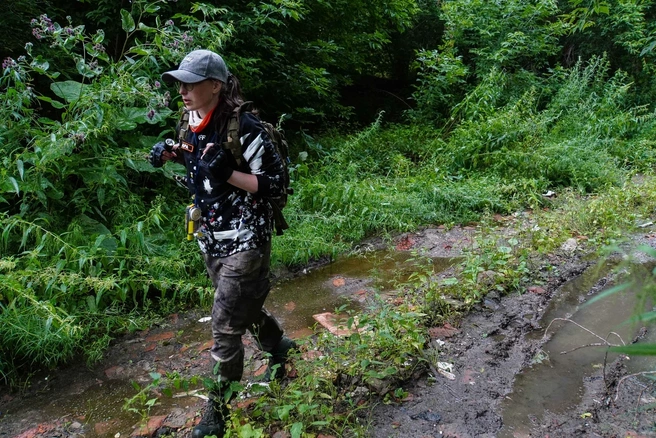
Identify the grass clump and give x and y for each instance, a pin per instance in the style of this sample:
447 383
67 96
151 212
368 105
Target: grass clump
340 378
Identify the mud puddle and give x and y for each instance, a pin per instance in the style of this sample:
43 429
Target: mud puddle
554 383
78 401
345 284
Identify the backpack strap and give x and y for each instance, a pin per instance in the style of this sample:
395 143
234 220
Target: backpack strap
183 125
233 144
278 219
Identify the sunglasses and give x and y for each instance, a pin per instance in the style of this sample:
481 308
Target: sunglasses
190 87
186 86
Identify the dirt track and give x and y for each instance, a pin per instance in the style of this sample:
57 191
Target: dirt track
487 349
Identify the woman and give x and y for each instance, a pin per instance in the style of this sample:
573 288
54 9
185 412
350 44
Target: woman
235 225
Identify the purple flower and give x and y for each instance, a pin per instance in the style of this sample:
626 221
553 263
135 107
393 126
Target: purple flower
8 63
157 84
37 33
69 30
99 48
151 114
169 23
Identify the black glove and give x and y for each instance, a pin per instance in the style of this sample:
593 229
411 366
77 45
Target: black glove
155 156
215 160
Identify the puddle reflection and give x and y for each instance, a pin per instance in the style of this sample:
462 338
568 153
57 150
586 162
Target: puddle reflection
556 383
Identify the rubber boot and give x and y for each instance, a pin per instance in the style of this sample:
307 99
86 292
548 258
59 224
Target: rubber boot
278 359
213 421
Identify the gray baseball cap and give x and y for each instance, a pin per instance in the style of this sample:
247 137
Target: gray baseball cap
198 66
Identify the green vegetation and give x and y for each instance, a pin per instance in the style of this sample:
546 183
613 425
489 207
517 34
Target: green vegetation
489 105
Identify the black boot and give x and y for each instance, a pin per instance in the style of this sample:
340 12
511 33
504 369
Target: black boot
279 354
213 421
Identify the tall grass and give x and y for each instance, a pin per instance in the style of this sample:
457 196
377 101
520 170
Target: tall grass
584 136
497 153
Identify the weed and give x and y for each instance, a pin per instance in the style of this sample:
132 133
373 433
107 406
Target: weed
143 400
336 382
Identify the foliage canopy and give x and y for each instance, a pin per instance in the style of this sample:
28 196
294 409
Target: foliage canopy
500 101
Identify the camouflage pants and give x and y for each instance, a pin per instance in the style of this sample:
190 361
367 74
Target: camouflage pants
241 284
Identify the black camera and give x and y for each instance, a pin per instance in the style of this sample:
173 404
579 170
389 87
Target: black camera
155 156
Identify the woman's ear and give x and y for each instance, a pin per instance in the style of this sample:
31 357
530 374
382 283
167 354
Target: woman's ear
217 87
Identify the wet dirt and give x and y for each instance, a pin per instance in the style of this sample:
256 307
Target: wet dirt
496 349
493 350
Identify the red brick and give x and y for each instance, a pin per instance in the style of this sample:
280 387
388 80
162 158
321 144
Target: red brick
260 371
160 337
192 420
446 331
114 371
206 345
405 243
37 430
243 404
154 423
331 322
339 282
536 290
104 428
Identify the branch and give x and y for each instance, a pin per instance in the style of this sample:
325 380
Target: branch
605 342
642 373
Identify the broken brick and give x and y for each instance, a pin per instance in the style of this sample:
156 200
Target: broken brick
114 372
405 243
206 345
446 331
537 290
37 431
160 337
147 430
339 282
332 324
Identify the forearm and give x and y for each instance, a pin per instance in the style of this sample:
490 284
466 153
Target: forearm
244 181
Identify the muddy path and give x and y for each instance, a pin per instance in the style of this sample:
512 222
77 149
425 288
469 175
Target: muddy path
496 349
489 355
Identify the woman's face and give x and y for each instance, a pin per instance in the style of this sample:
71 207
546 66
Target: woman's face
201 96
